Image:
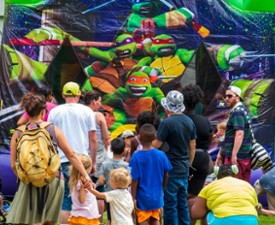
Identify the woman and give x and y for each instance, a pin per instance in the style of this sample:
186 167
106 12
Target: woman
50 104
92 99
200 167
227 201
20 212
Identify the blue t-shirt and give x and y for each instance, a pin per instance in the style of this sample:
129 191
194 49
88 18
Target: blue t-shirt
178 130
148 168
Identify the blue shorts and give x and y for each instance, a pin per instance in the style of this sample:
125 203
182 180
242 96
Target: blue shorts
243 220
67 201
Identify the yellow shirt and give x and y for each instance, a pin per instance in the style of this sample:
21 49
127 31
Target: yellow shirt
230 197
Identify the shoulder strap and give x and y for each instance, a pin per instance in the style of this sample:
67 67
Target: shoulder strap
45 124
21 128
249 123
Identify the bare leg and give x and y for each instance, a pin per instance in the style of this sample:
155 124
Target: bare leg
65 216
101 208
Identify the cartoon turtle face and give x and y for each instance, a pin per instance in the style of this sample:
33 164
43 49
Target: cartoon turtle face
163 45
125 46
147 8
138 84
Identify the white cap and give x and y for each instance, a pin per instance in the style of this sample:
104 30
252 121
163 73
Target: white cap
236 90
127 133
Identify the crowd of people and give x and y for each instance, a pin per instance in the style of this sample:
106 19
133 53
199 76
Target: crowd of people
157 172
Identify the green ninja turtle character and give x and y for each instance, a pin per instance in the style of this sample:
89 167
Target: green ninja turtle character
22 67
228 57
146 15
135 97
167 59
109 73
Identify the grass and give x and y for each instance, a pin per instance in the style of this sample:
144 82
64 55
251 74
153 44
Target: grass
266 220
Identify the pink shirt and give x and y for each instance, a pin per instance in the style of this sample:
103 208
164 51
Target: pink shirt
89 209
49 107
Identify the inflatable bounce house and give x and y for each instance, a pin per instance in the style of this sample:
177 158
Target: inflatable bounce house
135 51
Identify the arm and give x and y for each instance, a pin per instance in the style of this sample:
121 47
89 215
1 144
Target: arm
13 151
156 143
81 195
22 120
101 180
97 193
134 186
165 180
219 158
237 144
93 148
192 150
199 209
104 129
70 154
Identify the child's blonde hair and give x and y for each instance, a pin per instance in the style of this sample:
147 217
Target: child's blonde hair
121 177
75 176
221 125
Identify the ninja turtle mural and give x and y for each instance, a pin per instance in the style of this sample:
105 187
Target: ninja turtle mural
134 52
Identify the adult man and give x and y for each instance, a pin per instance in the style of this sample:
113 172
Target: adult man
179 132
79 127
238 141
266 185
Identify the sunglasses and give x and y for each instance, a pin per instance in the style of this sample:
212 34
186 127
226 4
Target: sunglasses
229 96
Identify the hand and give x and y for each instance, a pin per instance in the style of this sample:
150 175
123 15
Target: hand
218 160
147 24
234 159
93 170
88 183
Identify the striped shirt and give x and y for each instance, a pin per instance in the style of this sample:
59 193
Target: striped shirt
238 120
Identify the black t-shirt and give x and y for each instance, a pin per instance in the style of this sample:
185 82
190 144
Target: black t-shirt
203 129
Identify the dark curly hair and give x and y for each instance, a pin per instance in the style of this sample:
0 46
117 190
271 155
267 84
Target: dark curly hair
147 117
192 95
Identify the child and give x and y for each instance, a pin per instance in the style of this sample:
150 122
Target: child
219 139
84 204
117 147
149 170
121 202
127 136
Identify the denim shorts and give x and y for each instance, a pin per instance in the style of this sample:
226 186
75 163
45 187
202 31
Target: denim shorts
67 201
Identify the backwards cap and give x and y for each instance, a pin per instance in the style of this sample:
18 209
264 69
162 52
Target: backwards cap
236 90
71 89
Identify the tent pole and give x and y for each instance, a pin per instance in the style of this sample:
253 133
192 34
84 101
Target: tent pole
2 15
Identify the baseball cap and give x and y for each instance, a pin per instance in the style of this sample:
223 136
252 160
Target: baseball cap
236 90
173 102
127 134
71 89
